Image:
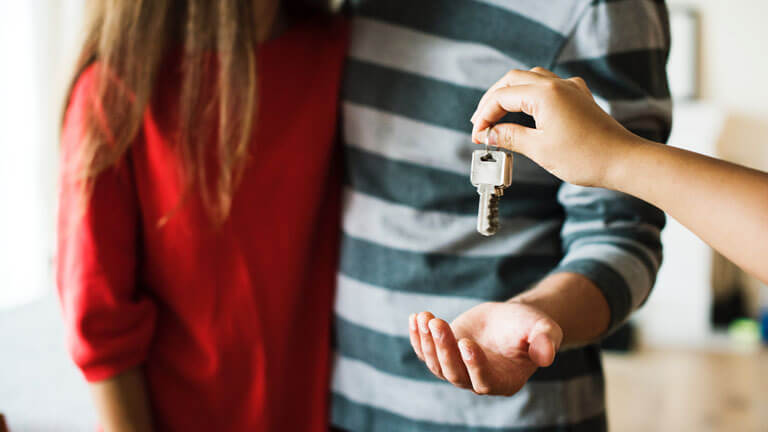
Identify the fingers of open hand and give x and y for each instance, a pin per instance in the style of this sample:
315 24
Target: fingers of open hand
413 332
428 345
477 366
448 353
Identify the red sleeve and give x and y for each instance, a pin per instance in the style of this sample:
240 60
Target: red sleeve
109 322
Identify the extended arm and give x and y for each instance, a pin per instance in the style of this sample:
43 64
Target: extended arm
723 203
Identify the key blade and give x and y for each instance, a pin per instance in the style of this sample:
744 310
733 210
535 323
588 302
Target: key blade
488 210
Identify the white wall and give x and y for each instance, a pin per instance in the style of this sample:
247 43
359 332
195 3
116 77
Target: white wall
37 38
734 73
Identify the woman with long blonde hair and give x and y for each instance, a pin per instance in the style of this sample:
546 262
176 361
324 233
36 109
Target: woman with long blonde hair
198 219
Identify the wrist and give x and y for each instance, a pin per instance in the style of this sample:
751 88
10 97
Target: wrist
573 302
619 171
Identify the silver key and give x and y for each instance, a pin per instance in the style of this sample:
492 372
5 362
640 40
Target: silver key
491 173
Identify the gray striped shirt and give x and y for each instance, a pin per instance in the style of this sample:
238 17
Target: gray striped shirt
415 72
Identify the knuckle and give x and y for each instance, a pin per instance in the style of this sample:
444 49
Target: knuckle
578 80
512 73
538 69
545 325
551 84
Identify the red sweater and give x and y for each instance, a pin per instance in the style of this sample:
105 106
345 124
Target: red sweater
231 324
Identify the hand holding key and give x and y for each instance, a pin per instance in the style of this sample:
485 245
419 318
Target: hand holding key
574 138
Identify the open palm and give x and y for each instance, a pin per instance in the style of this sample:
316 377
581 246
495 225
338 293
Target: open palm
493 348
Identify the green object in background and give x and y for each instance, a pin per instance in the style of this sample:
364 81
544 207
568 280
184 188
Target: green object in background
744 331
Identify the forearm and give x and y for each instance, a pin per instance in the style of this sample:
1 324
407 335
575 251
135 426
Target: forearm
724 204
123 403
572 301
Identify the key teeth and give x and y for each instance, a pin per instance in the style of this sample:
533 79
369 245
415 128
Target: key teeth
488 211
493 213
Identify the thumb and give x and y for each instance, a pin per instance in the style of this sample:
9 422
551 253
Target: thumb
543 342
510 136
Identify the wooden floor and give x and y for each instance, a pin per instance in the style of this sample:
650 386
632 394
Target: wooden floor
656 390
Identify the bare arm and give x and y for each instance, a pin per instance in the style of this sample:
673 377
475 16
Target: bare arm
723 203
122 402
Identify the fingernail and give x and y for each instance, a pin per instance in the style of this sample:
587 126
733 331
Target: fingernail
436 333
412 322
423 326
466 353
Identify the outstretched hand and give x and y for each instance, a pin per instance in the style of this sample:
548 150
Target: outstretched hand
493 348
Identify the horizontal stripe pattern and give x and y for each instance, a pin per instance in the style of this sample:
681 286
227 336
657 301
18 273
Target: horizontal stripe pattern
616 76
631 269
556 402
646 113
650 257
428 189
518 36
602 204
415 73
402 139
402 227
431 56
619 18
555 14
494 278
386 311
354 416
427 100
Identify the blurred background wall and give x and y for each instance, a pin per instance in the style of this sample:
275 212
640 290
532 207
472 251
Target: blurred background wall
38 39
727 116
